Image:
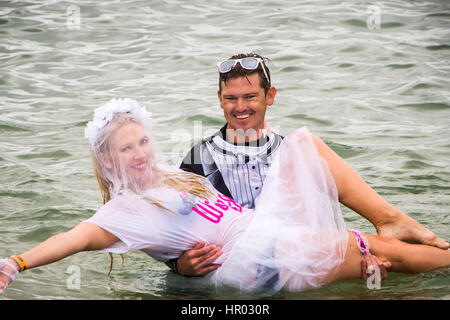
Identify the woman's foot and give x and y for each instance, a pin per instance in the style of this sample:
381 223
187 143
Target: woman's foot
407 229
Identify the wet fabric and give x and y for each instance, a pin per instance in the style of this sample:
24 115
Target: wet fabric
294 239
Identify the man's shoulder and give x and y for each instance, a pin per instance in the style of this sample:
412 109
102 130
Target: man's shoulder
192 160
198 145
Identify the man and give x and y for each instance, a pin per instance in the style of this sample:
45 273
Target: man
237 157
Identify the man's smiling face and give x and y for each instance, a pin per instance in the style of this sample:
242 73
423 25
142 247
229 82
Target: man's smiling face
244 103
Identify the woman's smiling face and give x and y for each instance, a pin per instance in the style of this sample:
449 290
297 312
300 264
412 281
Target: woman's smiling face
131 153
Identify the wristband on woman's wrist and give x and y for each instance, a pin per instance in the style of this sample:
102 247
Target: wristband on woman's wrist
20 263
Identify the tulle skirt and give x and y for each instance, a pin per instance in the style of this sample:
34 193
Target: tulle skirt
297 238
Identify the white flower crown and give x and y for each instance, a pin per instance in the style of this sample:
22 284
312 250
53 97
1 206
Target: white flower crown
104 114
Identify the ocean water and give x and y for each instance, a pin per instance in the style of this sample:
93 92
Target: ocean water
370 78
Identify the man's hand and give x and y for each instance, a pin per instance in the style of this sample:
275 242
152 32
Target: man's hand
370 260
197 261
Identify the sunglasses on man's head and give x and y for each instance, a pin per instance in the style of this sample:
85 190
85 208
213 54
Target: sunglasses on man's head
249 63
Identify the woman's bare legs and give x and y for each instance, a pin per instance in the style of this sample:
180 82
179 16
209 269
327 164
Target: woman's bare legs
404 257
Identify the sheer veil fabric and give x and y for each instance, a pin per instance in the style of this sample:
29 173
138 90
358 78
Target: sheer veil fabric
294 240
298 236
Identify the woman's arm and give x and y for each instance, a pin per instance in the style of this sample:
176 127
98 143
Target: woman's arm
84 237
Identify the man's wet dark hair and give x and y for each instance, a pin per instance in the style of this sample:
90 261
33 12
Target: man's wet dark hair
238 71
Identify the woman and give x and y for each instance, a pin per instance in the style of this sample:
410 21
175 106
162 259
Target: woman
294 240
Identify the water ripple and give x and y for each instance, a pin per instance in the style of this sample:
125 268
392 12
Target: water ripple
378 97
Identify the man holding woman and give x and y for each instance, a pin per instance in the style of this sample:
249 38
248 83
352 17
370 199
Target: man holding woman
295 239
236 160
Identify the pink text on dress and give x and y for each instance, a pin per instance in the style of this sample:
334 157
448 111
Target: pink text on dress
214 212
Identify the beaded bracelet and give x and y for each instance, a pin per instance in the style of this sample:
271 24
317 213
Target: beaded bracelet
20 263
361 241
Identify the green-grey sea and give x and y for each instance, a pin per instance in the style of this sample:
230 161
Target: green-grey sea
371 78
